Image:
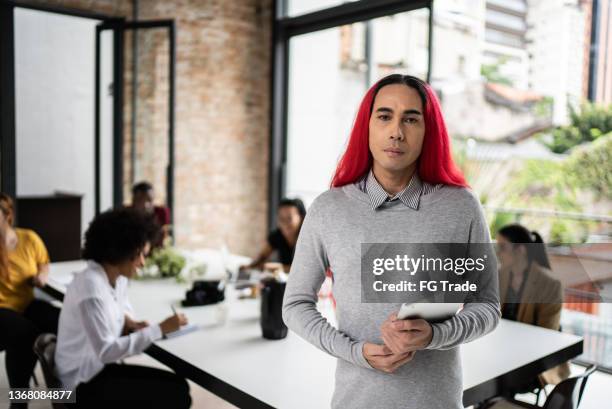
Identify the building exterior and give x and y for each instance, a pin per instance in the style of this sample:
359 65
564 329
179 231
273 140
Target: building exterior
600 51
505 39
555 43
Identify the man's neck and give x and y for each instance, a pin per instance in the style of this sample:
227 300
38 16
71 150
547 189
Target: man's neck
393 182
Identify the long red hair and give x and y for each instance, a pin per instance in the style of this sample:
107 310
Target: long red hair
435 163
6 207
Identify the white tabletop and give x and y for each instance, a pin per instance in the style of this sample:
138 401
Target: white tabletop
291 373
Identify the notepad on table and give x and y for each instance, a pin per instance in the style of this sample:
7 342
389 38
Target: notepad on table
185 329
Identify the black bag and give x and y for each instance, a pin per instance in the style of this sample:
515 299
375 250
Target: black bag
204 293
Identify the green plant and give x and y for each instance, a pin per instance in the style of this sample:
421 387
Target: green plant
168 261
586 125
590 167
500 220
560 233
543 184
543 108
491 72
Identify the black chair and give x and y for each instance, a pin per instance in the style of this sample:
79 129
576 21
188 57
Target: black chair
44 348
565 395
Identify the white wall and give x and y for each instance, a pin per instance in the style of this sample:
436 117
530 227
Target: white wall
54 73
323 101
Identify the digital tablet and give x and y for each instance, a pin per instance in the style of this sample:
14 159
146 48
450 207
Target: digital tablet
431 312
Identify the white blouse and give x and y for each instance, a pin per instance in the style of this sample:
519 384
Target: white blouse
90 326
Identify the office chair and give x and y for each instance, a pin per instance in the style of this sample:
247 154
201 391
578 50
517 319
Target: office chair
565 395
44 348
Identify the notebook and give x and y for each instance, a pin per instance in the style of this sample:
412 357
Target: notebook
184 330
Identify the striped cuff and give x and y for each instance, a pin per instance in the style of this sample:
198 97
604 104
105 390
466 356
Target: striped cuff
437 339
359 357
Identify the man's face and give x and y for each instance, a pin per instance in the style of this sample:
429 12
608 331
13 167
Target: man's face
143 201
397 128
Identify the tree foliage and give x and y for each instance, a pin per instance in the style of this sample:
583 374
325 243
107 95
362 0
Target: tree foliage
586 125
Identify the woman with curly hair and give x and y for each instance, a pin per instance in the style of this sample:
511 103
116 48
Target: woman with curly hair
97 328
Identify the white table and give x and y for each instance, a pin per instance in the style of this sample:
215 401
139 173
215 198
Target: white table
231 359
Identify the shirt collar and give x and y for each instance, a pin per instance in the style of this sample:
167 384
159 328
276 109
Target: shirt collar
410 196
98 268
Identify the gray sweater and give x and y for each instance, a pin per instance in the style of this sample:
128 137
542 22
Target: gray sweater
337 222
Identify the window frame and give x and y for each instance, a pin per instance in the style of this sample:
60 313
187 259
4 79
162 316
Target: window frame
284 28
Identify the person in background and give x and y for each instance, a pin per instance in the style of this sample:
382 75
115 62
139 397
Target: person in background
290 215
142 200
97 328
525 276
24 264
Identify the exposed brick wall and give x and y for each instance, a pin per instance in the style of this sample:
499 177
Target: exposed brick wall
222 120
222 114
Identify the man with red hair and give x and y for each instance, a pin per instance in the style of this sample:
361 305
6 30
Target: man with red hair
396 183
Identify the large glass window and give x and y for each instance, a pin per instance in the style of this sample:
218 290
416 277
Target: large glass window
522 130
297 7
329 72
513 94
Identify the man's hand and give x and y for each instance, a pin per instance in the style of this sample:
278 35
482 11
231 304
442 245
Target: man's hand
382 358
131 325
402 336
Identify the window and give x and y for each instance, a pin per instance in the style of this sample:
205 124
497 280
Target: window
502 98
506 20
506 109
329 72
515 5
298 7
503 38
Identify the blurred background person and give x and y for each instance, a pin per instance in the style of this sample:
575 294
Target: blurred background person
97 328
143 196
289 216
526 277
24 264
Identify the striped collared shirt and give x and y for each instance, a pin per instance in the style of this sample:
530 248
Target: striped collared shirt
410 196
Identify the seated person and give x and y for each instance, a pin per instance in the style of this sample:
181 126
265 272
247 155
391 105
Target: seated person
97 329
142 200
24 264
524 272
289 216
